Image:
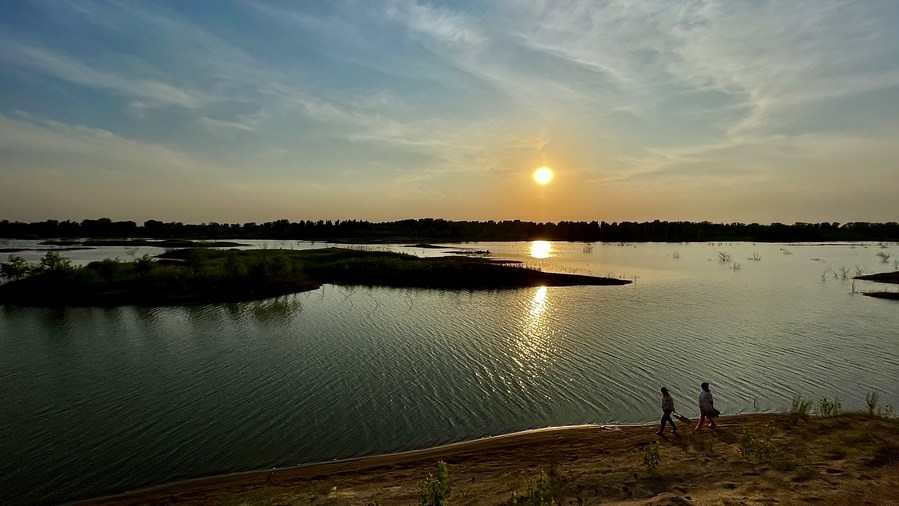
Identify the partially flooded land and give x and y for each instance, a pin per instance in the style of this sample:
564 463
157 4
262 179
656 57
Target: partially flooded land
200 275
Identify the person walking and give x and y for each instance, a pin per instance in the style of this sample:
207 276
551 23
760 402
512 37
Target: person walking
706 407
667 409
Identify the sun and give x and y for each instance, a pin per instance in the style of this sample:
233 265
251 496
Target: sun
543 175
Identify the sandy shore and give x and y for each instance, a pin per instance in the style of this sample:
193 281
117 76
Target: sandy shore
747 459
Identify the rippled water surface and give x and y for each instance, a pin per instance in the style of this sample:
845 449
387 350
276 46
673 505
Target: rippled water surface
97 401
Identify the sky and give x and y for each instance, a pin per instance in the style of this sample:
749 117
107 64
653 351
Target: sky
251 110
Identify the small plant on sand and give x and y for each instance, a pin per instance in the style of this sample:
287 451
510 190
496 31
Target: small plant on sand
723 257
539 493
799 409
872 399
652 456
755 257
702 442
756 445
883 256
827 407
435 490
375 499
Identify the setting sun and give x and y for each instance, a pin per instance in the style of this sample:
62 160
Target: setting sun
543 175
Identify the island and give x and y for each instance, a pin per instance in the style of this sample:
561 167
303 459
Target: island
882 277
203 275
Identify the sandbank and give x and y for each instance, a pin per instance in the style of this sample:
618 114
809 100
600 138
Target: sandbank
748 459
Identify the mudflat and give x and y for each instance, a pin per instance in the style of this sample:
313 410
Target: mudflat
748 459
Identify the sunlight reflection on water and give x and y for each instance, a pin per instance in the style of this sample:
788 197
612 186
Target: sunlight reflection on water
541 249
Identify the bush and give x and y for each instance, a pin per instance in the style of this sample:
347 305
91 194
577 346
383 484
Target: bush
652 456
756 445
144 265
540 493
800 409
827 407
15 268
435 491
108 269
872 400
54 263
234 266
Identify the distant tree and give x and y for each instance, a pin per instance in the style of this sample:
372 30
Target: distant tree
54 263
14 268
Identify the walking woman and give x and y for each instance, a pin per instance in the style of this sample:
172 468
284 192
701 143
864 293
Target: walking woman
706 407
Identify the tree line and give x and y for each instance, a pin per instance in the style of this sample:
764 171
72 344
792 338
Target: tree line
434 229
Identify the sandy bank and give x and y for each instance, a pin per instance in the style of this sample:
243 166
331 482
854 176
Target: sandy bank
748 459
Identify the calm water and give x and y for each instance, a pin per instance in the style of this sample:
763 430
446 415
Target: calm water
96 401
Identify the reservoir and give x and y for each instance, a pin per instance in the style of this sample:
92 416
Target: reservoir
96 401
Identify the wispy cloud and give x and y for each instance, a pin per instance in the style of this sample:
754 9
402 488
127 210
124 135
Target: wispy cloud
440 24
61 67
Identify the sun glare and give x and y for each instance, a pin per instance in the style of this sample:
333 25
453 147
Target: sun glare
541 249
543 175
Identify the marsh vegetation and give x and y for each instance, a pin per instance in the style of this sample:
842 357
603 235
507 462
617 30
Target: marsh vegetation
196 275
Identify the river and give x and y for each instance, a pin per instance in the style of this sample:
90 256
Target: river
101 400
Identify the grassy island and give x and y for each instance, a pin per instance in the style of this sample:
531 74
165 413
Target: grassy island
200 275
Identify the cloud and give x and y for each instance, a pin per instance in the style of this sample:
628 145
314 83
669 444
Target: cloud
439 24
87 152
148 91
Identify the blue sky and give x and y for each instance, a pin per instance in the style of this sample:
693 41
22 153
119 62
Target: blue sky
258 110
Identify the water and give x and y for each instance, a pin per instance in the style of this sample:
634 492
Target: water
102 400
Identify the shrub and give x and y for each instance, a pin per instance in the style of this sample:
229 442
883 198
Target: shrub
799 410
435 491
108 268
827 407
15 268
54 263
872 400
234 266
540 493
754 445
652 456
144 265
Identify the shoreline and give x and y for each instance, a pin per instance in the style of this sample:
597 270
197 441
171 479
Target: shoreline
342 465
594 463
